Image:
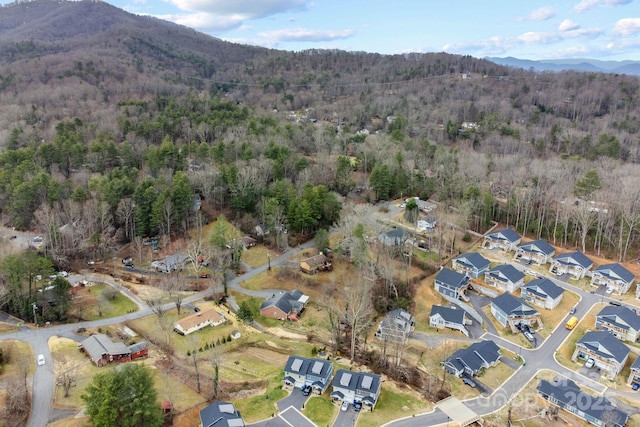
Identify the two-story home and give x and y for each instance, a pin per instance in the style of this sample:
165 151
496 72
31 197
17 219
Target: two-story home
542 292
198 320
451 284
510 311
622 322
597 410
285 305
614 277
537 251
504 277
445 317
608 353
300 372
222 414
471 360
574 263
427 224
350 386
396 326
506 239
394 237
634 375
472 264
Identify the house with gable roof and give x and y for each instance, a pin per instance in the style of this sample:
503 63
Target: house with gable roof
394 237
198 320
613 276
350 386
445 317
510 311
285 305
506 240
472 264
574 263
316 263
300 372
504 277
622 322
396 326
634 375
102 351
451 284
473 359
566 395
543 293
221 414
537 251
609 354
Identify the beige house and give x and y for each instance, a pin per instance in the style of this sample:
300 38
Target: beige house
199 320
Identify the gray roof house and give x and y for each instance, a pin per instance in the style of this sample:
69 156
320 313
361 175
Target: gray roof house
510 310
596 410
609 354
622 322
472 264
537 251
504 277
445 317
613 276
451 283
394 237
350 386
396 326
574 263
634 375
300 372
471 360
102 351
542 292
285 305
221 414
427 224
506 239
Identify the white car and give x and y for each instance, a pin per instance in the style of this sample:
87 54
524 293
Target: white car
40 359
345 406
609 291
589 363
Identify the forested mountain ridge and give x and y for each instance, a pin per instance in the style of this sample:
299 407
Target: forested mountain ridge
113 121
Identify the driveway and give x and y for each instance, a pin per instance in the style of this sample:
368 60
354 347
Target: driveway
287 418
295 399
347 418
479 301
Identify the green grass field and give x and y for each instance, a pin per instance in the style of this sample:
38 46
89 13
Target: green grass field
320 410
107 307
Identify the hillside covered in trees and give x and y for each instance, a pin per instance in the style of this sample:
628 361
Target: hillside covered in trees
111 124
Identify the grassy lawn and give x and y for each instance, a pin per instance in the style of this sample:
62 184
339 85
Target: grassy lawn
551 318
18 353
393 403
66 356
90 296
254 306
587 323
266 280
506 333
320 410
256 256
425 298
262 405
6 328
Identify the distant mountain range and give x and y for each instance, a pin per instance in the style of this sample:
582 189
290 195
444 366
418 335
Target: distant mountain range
614 67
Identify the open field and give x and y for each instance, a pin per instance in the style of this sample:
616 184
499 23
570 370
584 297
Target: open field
394 402
320 410
257 256
96 306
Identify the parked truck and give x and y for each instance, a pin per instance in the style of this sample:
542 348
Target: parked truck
571 323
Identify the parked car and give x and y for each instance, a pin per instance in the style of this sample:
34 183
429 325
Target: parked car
306 390
529 336
41 359
38 239
635 387
615 303
572 311
345 406
609 291
469 382
204 275
129 267
357 406
589 363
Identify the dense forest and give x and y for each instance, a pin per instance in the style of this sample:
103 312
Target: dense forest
111 124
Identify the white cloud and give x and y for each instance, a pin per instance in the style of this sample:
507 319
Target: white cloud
538 38
252 9
305 35
585 5
206 21
542 14
627 27
568 25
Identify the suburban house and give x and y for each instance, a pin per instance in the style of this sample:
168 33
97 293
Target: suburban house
566 395
425 206
427 224
451 283
622 322
102 351
472 264
537 251
574 263
634 375
504 277
198 320
285 305
471 360
396 326
510 310
613 276
171 263
445 317
350 386
543 293
506 239
609 354
300 372
394 237
315 264
222 414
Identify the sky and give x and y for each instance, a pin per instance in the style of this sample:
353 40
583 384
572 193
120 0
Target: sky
525 29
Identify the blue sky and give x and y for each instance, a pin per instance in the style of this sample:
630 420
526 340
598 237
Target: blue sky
527 29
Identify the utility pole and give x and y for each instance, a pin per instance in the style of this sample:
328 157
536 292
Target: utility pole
35 320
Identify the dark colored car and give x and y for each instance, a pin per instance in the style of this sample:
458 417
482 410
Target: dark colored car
469 382
357 406
129 266
306 390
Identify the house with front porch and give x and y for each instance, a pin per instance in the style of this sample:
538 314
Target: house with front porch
396 326
510 311
350 386
473 359
445 317
634 375
472 264
506 240
609 354
504 277
613 276
574 263
451 284
537 251
622 322
300 372
543 293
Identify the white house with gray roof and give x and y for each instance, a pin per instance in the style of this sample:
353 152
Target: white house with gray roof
609 354
622 322
350 386
614 277
472 264
574 263
445 317
510 310
543 293
506 240
504 277
300 372
537 251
